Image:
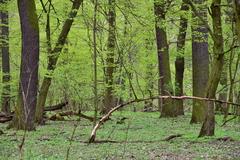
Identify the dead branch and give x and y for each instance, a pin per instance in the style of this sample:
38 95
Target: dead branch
172 137
56 107
8 117
59 116
5 117
226 121
107 116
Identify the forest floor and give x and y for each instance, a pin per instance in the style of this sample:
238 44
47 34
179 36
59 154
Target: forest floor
141 136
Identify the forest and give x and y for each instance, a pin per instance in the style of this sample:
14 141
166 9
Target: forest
120 79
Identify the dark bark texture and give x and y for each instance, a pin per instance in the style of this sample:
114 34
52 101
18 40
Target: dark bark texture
167 107
216 69
179 62
200 59
6 91
28 85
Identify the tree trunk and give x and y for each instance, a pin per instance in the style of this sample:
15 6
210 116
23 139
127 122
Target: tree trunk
167 107
109 95
95 88
179 62
148 105
237 15
216 69
53 58
223 94
28 86
200 59
6 91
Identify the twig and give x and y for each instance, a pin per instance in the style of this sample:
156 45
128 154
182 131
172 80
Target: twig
21 145
71 140
226 121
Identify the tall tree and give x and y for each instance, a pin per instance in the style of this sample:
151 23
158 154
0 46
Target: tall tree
200 57
95 89
5 58
53 56
28 86
179 62
237 15
216 69
109 95
168 108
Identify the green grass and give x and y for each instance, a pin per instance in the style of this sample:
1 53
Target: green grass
140 137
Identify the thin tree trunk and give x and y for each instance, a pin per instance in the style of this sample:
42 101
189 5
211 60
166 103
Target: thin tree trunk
28 86
109 95
179 62
223 94
168 108
237 14
95 61
148 105
53 58
6 92
200 59
208 126
232 77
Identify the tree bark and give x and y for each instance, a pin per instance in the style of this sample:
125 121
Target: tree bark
53 58
109 95
167 106
237 15
200 59
149 88
28 85
95 84
223 94
6 91
208 126
179 62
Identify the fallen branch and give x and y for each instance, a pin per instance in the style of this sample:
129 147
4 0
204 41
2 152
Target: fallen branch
172 137
107 116
55 107
59 116
5 117
225 139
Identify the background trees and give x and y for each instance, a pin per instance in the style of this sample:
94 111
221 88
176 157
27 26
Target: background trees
124 37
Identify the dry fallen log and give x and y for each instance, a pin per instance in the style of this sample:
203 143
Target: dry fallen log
172 137
59 116
107 116
55 107
6 118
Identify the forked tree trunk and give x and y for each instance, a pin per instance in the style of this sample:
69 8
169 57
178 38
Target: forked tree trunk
167 106
208 126
200 59
6 91
53 58
108 101
28 85
179 62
